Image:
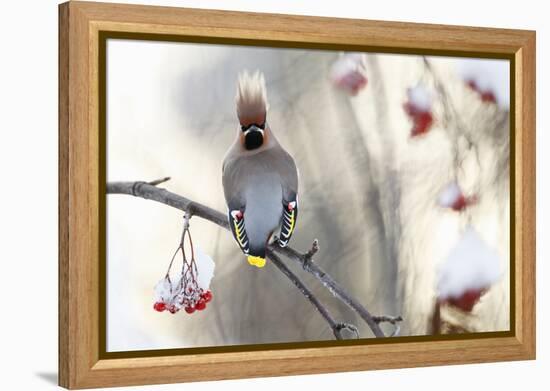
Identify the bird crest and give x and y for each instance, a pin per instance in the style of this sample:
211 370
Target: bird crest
251 98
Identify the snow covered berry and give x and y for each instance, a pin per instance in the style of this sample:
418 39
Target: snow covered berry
419 109
485 93
189 309
207 296
201 305
187 287
487 78
453 198
469 270
488 96
467 300
172 309
422 124
348 73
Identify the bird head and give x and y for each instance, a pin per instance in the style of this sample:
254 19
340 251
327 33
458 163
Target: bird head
251 102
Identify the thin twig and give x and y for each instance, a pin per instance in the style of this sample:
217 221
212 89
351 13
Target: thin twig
312 251
159 181
452 117
336 289
389 319
151 192
335 326
394 320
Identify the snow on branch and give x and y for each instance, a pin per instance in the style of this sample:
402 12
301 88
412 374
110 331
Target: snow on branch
150 191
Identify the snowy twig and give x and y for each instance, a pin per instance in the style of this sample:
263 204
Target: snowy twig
338 291
151 192
451 116
312 251
336 327
394 320
159 181
389 319
449 111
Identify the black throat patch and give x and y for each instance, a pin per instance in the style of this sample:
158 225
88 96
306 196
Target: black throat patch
253 139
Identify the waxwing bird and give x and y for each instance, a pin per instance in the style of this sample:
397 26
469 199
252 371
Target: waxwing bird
260 179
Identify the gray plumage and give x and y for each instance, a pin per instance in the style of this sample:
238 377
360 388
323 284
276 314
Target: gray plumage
258 182
260 179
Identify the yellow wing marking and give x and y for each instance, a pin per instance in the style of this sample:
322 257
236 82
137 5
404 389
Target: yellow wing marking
291 222
238 231
289 219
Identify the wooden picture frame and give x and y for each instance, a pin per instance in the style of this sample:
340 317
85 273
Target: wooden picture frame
81 25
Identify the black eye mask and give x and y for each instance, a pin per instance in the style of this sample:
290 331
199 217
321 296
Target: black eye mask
245 128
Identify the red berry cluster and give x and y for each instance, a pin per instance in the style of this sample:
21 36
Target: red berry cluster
190 303
486 95
422 119
200 304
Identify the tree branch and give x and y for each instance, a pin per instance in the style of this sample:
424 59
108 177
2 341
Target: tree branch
149 191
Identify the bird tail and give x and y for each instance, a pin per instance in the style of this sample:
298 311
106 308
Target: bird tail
256 261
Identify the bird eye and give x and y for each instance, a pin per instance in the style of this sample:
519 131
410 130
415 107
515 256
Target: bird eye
243 128
262 126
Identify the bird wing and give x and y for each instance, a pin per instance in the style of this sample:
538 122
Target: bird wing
288 223
236 223
286 167
232 186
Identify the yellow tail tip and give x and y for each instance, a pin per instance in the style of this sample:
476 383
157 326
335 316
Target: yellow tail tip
256 261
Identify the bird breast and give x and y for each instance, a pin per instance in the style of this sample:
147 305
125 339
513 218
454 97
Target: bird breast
264 207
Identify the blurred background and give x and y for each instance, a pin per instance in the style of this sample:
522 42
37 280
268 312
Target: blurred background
370 187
